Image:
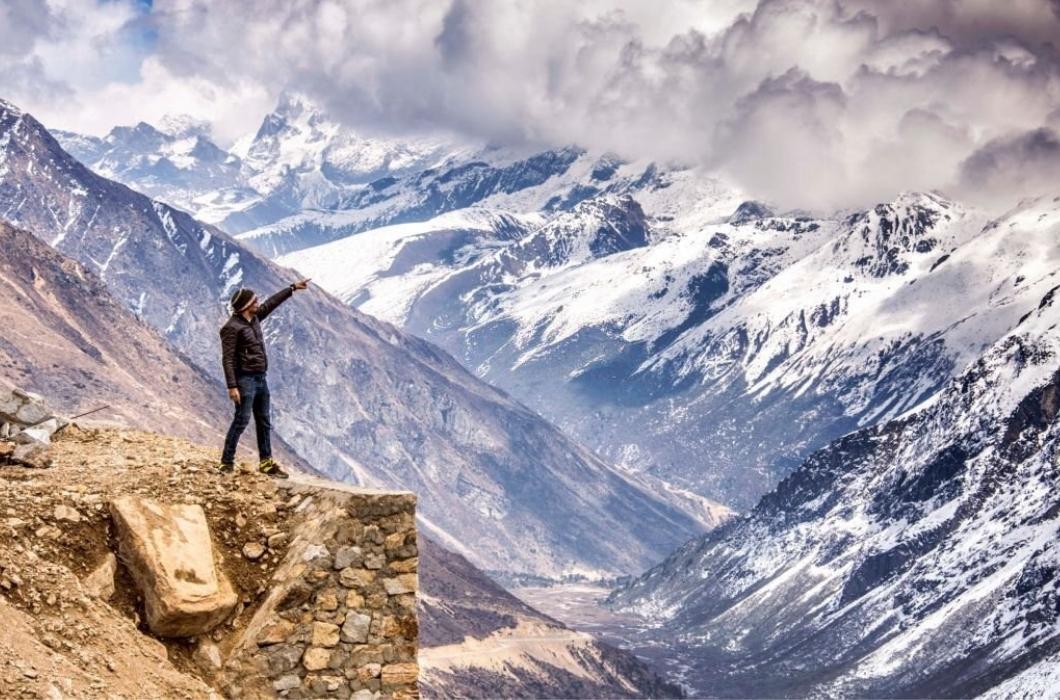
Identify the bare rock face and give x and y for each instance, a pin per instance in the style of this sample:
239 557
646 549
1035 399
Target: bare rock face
170 554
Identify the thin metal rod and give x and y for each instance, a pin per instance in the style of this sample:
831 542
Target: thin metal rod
87 413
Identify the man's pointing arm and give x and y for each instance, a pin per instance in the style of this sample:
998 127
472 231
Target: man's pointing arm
270 304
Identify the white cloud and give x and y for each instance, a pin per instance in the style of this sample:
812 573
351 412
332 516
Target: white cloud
50 49
230 108
822 103
88 65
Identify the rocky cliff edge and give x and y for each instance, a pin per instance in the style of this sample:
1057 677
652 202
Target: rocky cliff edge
324 576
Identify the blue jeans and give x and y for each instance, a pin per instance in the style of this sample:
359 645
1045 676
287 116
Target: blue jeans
253 399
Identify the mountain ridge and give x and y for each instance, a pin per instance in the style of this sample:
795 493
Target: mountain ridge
912 558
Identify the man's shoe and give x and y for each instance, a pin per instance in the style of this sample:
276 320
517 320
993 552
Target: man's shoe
226 468
270 468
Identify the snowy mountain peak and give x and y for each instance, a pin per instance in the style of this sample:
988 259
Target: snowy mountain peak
294 113
148 143
891 234
141 135
750 211
183 126
272 125
605 167
297 105
593 229
300 155
613 225
178 163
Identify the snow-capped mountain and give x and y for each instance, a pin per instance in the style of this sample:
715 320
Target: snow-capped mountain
711 354
713 349
299 160
176 162
303 178
914 558
454 185
512 180
702 341
359 399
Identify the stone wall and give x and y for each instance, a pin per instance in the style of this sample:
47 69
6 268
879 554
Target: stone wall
339 619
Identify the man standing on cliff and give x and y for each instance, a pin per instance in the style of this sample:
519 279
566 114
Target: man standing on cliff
245 363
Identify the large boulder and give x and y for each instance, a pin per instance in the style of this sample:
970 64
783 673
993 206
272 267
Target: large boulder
22 407
169 552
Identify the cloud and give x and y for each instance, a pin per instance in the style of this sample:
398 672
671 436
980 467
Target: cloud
88 65
806 103
230 108
52 50
21 22
1011 168
969 23
784 139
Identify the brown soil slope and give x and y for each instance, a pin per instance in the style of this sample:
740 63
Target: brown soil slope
67 338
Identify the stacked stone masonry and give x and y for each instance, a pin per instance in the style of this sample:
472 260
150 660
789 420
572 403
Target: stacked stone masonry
340 618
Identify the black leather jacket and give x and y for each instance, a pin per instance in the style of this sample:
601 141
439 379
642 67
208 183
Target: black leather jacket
242 345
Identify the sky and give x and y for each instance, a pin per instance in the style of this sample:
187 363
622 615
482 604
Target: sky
814 104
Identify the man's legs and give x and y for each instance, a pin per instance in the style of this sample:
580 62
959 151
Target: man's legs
263 424
240 420
262 419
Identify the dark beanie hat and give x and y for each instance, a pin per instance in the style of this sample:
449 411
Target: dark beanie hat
241 298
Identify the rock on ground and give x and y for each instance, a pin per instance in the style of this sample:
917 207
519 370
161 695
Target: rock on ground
100 583
170 555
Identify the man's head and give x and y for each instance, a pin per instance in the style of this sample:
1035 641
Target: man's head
244 301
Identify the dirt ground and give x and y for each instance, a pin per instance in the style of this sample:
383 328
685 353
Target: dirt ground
55 529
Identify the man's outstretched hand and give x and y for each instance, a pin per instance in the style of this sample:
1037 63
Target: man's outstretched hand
233 394
301 285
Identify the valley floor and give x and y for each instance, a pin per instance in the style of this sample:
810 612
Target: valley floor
579 606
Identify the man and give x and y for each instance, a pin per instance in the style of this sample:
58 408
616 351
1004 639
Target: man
245 363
